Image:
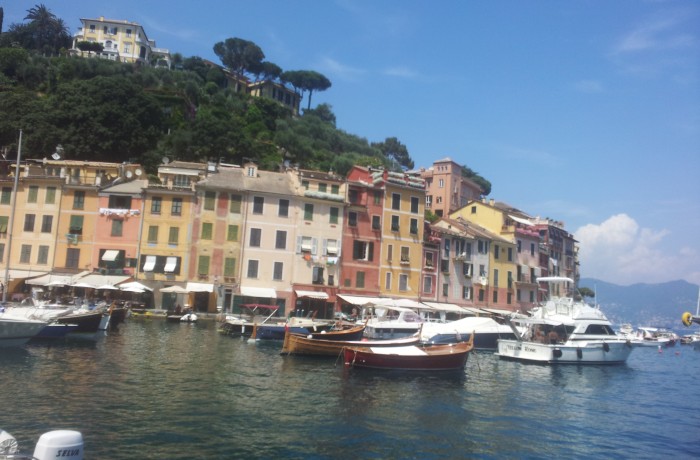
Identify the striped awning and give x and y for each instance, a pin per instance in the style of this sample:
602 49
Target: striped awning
312 294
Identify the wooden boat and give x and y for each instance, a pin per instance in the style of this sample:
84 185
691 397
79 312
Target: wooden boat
300 344
449 357
344 334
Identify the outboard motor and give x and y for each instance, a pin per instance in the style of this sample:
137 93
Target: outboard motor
63 444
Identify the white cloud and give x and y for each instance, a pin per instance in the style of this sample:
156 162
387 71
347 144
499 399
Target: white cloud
619 251
332 67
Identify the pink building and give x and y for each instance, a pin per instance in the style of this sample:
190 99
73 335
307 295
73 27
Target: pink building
446 189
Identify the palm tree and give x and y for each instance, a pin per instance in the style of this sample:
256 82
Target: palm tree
49 32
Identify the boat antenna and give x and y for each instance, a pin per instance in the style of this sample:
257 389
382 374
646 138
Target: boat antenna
12 221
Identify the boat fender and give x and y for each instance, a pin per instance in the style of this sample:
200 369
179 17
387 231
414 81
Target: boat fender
606 347
557 353
579 353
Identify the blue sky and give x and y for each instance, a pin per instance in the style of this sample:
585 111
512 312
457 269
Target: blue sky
584 111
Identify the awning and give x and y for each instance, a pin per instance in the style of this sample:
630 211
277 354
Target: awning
520 220
359 300
110 255
21 274
312 294
199 287
442 306
170 264
56 279
95 280
150 264
267 293
175 289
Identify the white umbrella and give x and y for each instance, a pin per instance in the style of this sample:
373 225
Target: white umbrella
83 285
108 286
134 285
134 289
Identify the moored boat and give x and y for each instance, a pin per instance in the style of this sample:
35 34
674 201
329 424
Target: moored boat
90 324
341 334
448 357
300 344
64 444
564 331
487 331
18 331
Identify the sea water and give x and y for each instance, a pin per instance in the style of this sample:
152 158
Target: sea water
157 390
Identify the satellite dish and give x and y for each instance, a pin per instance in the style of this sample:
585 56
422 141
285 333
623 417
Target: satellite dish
129 174
138 172
56 156
165 160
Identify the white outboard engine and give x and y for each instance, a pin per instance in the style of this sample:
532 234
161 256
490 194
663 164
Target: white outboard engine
63 444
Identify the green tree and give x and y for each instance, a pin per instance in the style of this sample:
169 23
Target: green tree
239 56
395 151
306 80
477 179
47 32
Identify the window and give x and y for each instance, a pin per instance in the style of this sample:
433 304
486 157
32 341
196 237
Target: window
378 195
334 215
467 292
156 204
429 259
78 199
43 256
389 252
306 244
232 233
363 250
473 209
510 254
496 251
76 225
335 189
209 200
394 223
467 269
6 196
532 249
414 226
317 275
495 277
495 296
308 211
117 227
230 267
352 219
176 208
428 201
353 196
25 254
3 224
283 209
152 234
403 282
414 204
277 271
427 285
173 235
119 202
255 237
305 184
32 193
258 203
330 247
128 33
235 204
207 230
281 239
396 201
203 265
2 251
252 269
405 254
360 279
387 281
181 180
441 183
445 289
46 224
323 187
29 222
72 257
519 246
376 223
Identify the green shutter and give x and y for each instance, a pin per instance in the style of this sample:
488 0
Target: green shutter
235 206
203 265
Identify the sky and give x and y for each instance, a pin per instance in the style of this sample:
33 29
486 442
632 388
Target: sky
584 111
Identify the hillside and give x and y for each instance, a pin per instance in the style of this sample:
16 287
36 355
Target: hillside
645 304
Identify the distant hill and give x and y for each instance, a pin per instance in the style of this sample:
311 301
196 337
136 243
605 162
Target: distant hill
659 305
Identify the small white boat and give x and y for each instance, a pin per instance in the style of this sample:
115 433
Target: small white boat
564 330
393 323
16 332
63 444
487 331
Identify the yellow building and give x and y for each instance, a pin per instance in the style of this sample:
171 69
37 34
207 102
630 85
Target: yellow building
122 41
166 235
402 233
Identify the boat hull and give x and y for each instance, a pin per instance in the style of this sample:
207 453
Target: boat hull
451 357
389 331
16 332
55 331
297 344
89 324
591 352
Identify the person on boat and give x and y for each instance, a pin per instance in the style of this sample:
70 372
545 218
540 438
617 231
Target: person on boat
178 309
553 336
538 335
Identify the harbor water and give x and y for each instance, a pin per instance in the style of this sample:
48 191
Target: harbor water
157 390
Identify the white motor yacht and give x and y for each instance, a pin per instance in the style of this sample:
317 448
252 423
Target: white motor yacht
564 330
